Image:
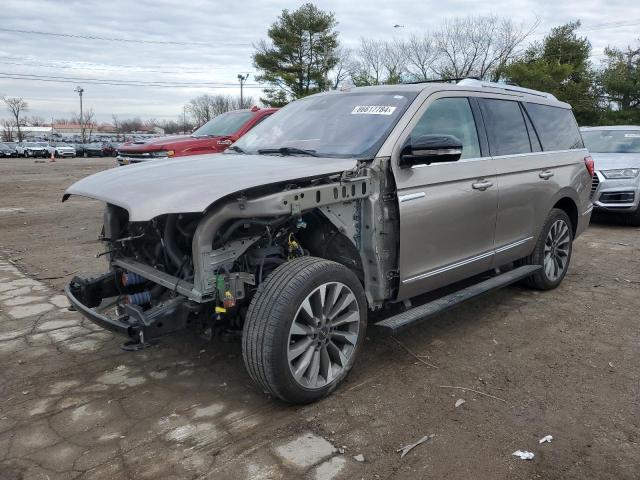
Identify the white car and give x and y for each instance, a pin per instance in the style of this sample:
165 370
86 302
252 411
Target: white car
61 150
616 183
31 149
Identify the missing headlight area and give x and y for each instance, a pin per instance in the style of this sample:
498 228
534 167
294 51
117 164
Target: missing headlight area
202 269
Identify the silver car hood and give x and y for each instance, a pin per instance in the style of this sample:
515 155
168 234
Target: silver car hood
610 161
191 184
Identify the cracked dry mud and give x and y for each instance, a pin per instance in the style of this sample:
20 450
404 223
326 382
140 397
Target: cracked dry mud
74 405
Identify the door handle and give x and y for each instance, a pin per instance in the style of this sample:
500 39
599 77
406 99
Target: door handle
546 175
482 185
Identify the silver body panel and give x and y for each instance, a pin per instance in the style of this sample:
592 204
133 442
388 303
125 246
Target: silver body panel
607 186
191 184
449 231
529 186
438 227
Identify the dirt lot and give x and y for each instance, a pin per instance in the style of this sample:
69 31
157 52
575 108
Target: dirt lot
73 405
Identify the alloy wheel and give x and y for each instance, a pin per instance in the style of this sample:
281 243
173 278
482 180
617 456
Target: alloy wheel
557 246
323 335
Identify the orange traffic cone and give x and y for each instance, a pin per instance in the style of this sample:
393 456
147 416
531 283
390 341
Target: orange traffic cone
53 156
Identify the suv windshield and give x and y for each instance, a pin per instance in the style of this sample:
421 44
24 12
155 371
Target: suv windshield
612 141
339 124
225 124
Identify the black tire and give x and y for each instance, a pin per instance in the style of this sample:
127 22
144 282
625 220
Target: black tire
268 323
540 280
633 219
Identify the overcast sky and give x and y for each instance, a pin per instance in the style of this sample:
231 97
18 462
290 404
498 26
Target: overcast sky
212 43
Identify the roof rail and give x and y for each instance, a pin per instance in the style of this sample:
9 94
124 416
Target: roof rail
471 82
440 80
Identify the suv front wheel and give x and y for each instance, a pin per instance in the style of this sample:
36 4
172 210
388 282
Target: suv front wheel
304 328
552 251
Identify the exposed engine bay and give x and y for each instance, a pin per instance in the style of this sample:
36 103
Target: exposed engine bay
202 269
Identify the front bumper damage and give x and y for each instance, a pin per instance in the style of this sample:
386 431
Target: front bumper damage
99 299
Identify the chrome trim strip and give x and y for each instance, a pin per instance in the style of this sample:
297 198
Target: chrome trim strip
467 261
444 151
496 157
462 160
410 196
588 211
512 245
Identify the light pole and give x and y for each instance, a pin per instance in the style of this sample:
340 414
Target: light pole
80 90
242 79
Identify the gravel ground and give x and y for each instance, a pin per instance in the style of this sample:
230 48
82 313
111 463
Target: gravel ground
73 405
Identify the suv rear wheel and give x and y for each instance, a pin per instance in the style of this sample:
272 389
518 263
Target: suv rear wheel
303 329
552 251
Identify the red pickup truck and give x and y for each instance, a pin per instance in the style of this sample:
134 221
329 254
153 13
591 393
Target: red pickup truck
213 137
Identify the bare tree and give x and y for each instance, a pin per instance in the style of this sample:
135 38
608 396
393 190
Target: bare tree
35 121
7 130
421 55
379 62
344 67
369 68
205 107
394 61
477 46
16 106
116 125
88 123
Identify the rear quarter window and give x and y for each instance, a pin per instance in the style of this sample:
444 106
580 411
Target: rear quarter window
556 127
506 126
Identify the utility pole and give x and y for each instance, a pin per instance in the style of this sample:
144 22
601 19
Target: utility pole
242 79
80 90
51 139
184 119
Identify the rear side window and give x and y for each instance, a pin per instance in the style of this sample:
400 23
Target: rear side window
556 126
506 127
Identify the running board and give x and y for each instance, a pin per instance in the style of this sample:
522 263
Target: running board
414 315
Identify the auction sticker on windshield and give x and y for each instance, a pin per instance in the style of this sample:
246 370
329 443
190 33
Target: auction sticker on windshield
372 110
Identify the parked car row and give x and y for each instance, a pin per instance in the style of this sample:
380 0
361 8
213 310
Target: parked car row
8 149
59 150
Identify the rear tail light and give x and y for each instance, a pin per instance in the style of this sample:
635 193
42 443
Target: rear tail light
588 162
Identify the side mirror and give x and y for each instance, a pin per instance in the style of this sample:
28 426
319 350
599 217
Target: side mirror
428 149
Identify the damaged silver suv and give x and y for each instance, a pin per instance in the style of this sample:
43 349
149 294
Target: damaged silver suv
340 204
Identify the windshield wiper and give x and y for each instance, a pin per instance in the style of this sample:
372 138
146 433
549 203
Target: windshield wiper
235 148
288 151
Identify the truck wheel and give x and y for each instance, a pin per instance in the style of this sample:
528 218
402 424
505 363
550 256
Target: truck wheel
303 329
552 251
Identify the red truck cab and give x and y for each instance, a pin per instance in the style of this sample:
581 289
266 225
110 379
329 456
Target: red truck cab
212 137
